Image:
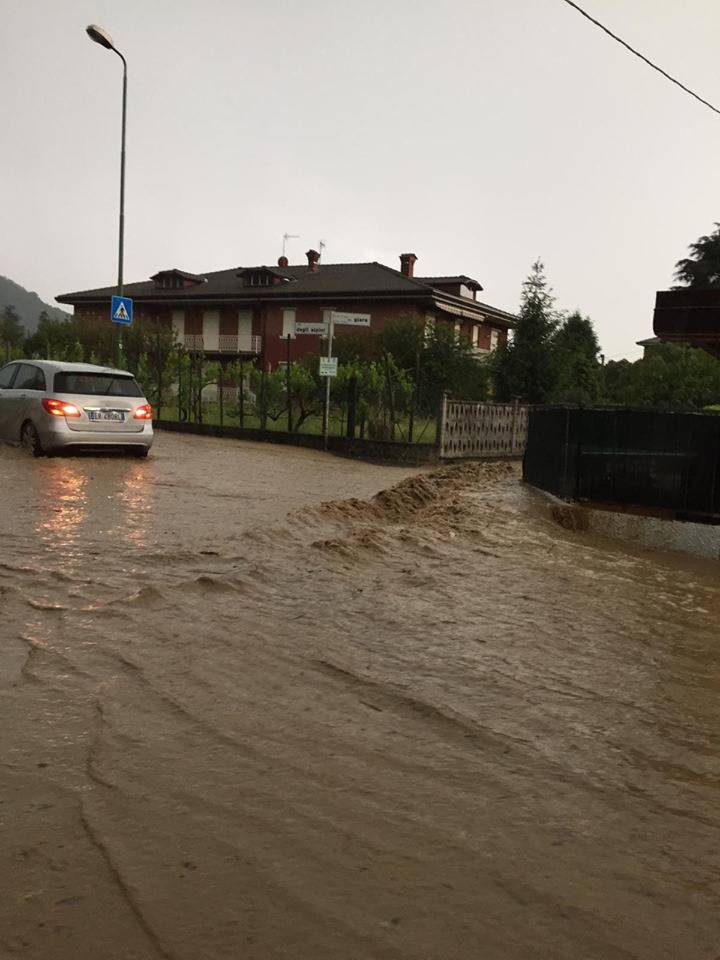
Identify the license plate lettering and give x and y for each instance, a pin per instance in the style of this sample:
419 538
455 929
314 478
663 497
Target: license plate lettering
115 415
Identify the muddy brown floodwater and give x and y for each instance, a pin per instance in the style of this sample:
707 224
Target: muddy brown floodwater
248 711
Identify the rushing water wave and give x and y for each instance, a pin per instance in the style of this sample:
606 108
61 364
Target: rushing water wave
266 703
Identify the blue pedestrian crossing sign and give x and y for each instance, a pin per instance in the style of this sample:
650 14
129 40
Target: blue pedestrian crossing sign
121 310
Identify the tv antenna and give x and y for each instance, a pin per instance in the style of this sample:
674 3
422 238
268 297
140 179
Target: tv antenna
322 246
289 236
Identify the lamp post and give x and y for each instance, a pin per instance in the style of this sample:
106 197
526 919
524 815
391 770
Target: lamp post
105 40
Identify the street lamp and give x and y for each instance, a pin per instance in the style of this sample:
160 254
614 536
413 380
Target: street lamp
105 40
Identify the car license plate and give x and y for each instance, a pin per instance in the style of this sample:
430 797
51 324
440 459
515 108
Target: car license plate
117 415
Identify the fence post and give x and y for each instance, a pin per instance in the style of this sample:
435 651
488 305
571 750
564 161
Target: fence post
390 397
160 375
241 396
263 396
221 379
513 443
180 366
440 429
352 401
415 397
287 387
566 455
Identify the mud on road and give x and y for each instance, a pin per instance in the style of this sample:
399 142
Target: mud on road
265 703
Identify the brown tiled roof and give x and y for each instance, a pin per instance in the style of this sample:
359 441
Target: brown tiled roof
350 280
174 272
461 278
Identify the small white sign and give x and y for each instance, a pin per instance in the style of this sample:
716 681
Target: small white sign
352 319
328 366
314 329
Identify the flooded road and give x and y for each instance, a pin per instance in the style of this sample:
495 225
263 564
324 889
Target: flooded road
250 712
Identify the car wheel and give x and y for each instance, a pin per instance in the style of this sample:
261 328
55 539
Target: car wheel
31 440
141 452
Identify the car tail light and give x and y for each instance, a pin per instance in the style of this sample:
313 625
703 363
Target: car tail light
143 413
60 408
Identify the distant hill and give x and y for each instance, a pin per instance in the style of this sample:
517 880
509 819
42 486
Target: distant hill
28 305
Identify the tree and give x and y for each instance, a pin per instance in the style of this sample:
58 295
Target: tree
52 338
12 333
575 359
702 269
429 360
524 368
671 376
305 392
448 362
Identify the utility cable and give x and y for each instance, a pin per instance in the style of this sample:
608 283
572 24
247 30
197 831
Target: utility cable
627 46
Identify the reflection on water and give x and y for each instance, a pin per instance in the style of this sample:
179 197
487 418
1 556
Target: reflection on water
62 492
112 496
137 497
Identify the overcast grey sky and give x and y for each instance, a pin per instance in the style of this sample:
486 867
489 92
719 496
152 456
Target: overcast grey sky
478 134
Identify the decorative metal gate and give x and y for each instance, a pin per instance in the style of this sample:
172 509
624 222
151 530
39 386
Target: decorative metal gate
474 429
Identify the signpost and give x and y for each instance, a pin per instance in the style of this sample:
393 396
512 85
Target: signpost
329 364
328 377
121 310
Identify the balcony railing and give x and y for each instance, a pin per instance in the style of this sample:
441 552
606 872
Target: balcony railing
227 343
194 342
232 343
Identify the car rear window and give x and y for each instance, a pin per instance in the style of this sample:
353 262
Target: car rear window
97 385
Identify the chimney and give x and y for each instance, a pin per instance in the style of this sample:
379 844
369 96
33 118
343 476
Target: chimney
283 261
313 260
407 264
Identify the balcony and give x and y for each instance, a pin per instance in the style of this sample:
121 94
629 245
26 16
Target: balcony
225 343
193 342
232 343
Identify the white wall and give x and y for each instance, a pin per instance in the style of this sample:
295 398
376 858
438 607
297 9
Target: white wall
211 330
244 329
178 325
288 328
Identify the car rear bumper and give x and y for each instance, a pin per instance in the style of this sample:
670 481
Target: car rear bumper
56 435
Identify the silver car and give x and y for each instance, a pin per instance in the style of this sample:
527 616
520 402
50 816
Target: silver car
50 406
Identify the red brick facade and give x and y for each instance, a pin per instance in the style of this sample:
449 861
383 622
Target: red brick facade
248 312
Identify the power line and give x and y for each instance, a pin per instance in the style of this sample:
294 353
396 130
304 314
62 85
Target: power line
627 46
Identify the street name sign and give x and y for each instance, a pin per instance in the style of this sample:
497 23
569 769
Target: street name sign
314 329
121 310
328 366
351 319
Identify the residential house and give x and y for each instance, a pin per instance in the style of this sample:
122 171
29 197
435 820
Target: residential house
689 315
249 312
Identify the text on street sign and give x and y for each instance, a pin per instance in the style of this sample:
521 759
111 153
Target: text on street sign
314 329
352 319
328 366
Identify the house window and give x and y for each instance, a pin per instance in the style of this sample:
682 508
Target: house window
288 327
475 335
494 339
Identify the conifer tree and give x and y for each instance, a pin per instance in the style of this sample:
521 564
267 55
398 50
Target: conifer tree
524 369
